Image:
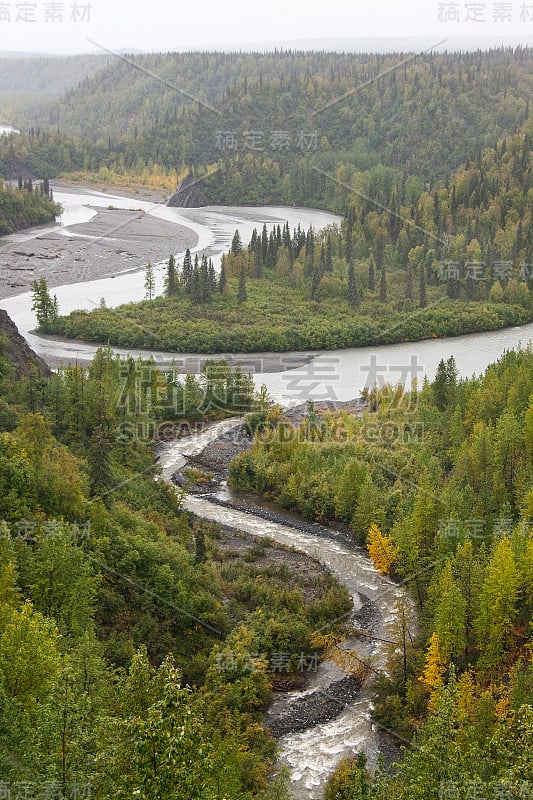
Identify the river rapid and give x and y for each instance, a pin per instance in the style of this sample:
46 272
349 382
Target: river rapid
312 755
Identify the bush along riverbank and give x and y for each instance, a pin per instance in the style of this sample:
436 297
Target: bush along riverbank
303 291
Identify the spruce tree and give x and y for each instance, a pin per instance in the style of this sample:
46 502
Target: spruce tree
241 292
236 243
272 250
187 271
149 282
211 278
371 274
196 289
258 263
383 285
329 255
204 280
264 243
253 241
171 280
353 298
222 277
322 260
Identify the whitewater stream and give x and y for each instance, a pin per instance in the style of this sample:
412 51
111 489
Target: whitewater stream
312 755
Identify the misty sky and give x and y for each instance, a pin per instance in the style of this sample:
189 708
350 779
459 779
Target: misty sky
200 24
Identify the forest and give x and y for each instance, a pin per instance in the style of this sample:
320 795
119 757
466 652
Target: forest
126 605
405 264
154 114
436 483
26 205
28 84
129 607
136 619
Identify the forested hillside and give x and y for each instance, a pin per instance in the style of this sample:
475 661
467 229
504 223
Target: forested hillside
423 114
407 263
127 608
28 84
437 484
430 112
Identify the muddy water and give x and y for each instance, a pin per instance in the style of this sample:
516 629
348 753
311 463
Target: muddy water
313 754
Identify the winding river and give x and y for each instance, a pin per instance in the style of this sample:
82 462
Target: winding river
313 754
339 375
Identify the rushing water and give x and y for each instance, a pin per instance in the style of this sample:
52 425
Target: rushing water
313 754
338 375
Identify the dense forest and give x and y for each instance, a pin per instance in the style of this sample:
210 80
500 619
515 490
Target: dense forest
406 264
424 115
127 607
26 205
437 484
27 85
137 620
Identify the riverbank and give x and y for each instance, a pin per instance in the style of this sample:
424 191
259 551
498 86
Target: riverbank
330 717
115 241
146 193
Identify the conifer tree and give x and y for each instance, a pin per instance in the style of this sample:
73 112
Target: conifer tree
353 297
211 278
204 280
222 277
196 288
236 243
171 280
44 305
258 263
329 255
149 282
371 274
187 271
317 277
383 285
241 292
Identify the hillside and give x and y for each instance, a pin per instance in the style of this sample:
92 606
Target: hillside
27 84
406 264
17 352
424 113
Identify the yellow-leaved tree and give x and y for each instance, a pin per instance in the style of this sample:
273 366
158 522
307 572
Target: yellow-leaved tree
381 550
433 673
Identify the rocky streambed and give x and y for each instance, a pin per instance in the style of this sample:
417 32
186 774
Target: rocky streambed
329 717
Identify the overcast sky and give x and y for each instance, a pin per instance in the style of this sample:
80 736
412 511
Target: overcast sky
44 26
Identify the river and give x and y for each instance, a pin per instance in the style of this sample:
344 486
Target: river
338 375
312 755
